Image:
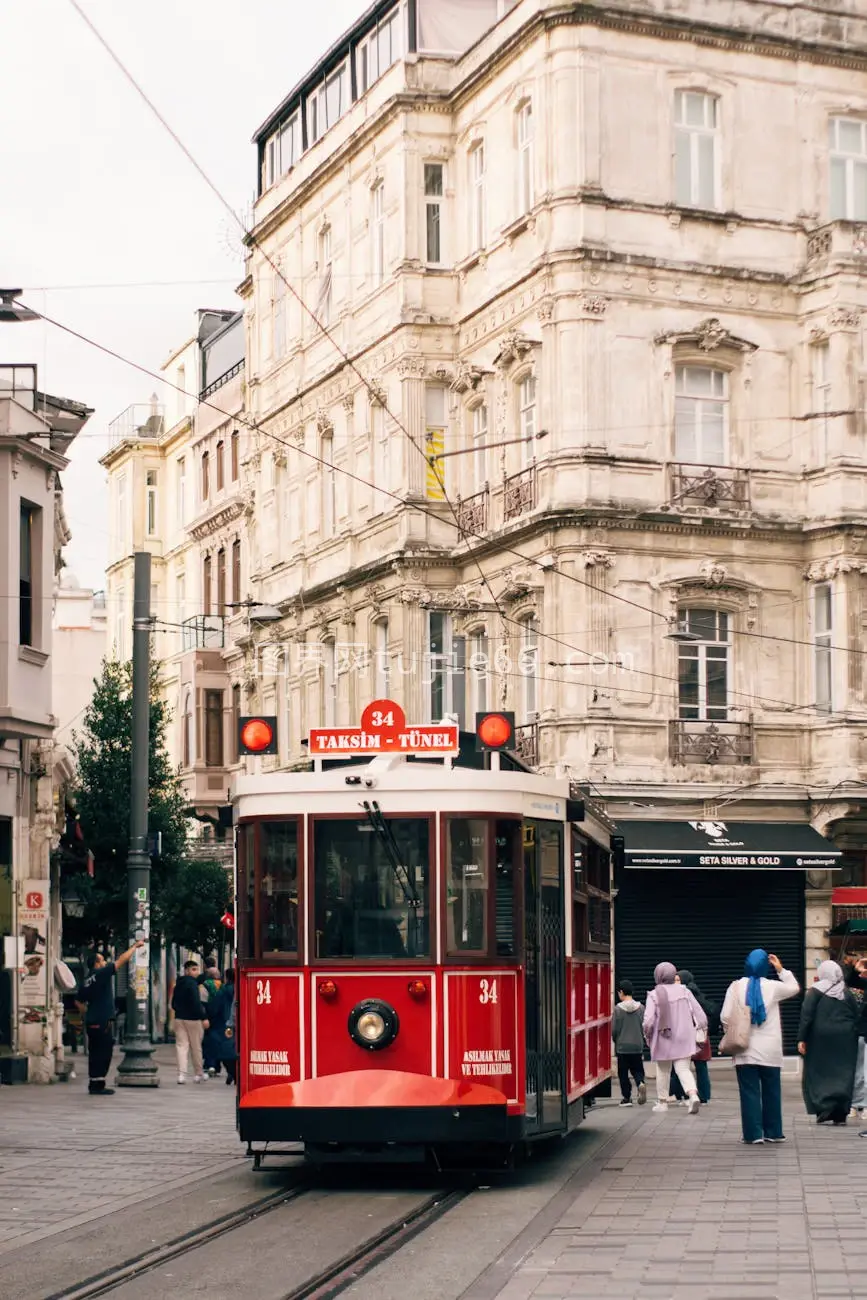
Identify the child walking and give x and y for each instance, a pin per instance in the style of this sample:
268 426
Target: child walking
628 1035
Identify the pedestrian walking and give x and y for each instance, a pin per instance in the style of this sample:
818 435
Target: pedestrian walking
209 986
855 975
828 1042
218 1046
673 1025
759 1061
703 1055
190 1023
97 1006
230 1058
626 1030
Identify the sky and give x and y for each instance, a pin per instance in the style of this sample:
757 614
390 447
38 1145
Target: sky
103 222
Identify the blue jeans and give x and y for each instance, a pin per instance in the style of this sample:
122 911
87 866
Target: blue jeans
761 1101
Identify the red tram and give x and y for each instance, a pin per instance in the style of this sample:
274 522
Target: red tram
423 948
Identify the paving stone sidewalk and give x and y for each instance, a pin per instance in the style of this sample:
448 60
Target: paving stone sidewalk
67 1158
678 1209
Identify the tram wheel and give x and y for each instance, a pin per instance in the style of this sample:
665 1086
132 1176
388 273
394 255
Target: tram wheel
257 1160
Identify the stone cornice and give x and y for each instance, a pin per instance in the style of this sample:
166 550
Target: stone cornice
217 519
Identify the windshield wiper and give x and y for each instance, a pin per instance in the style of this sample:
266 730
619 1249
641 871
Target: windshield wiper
392 852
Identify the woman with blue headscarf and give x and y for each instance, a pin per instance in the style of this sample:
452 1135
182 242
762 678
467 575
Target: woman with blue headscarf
759 1066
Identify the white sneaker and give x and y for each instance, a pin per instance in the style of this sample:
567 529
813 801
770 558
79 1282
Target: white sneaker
661 1107
181 1079
201 1078
694 1105
642 1093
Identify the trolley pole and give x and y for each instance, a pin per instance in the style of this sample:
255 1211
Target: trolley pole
138 1068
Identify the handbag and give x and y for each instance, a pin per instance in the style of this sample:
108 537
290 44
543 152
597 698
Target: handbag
704 1052
736 1038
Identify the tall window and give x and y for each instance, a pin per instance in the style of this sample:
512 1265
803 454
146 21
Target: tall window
379 50
327 104
822 655
433 213
328 485
526 158
477 675
377 232
696 147
151 502
181 597
182 491
187 731
206 476
236 570
28 564
221 469
478 201
701 415
213 728
821 357
847 138
479 416
234 444
324 299
206 585
528 666
381 456
703 666
283 150
278 315
447 663
527 412
329 684
221 582
381 665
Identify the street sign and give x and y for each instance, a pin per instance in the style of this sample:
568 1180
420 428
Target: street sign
383 730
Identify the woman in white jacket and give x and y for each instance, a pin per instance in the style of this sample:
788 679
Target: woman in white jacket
759 1068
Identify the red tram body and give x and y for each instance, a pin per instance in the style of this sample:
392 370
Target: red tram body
423 958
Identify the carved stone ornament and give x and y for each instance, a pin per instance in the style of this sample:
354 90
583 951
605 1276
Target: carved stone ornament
16 463
443 374
846 318
598 559
518 582
410 595
709 335
714 574
346 613
375 597
825 570
348 403
296 435
545 311
514 347
324 423
411 367
859 240
593 304
467 378
467 596
376 393
249 505
818 245
818 336
49 480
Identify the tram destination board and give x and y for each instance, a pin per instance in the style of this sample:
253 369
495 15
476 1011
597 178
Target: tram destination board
383 730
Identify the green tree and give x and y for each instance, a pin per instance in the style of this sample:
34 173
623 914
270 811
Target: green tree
103 750
192 905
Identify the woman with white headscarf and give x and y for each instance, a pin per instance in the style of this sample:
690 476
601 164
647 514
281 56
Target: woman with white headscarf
828 1042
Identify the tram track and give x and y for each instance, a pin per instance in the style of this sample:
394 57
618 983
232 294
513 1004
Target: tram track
328 1282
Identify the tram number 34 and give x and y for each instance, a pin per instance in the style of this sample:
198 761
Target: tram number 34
487 992
263 992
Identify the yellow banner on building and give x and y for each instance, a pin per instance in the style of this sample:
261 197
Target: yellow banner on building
435 445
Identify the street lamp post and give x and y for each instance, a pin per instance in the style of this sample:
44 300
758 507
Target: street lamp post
138 1068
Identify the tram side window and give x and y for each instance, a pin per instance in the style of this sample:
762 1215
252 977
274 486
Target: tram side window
278 887
467 884
507 843
246 890
372 888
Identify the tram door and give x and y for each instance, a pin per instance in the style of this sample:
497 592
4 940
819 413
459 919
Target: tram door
545 967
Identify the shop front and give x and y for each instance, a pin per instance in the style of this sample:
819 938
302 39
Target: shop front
702 894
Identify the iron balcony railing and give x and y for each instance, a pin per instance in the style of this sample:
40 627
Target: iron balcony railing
472 513
519 494
141 420
527 743
221 380
709 487
203 632
729 743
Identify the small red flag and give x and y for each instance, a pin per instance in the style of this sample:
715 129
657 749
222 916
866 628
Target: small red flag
91 863
228 920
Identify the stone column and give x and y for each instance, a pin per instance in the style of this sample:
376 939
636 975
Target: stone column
411 371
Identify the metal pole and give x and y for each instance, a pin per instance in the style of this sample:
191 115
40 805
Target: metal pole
138 1068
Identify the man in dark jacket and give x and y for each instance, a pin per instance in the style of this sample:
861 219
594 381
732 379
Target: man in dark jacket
190 1022
97 1005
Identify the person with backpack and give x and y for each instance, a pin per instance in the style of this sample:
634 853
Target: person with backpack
754 1038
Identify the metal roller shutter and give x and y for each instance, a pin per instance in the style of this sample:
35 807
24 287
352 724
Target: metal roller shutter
707 922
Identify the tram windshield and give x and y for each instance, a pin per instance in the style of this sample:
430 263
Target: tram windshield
371 886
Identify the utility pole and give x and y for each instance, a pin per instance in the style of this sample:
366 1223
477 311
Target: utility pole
138 1068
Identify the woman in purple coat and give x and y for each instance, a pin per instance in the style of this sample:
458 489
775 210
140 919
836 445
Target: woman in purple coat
671 1018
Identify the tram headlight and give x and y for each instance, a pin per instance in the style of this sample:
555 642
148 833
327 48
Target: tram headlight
373 1024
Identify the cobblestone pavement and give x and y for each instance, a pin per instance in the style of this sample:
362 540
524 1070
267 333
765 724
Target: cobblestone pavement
67 1158
676 1207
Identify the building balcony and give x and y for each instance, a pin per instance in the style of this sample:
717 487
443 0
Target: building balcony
728 743
203 632
708 487
143 420
519 494
837 241
527 744
472 513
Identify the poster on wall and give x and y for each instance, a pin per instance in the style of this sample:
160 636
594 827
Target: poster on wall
33 933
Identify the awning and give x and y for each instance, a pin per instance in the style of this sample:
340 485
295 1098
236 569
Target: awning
732 846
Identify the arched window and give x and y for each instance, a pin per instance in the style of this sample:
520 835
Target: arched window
206 476
703 665
221 469
235 445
